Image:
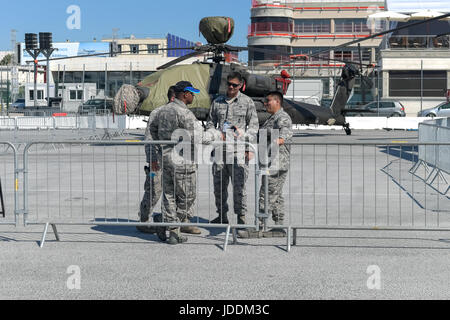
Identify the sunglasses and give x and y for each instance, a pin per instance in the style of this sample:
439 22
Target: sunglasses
234 85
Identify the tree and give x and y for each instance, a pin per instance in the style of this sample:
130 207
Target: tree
6 60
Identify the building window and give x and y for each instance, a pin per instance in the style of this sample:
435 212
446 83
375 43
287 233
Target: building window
272 53
326 86
343 55
353 54
76 95
412 84
270 24
77 77
153 48
134 48
313 26
40 94
351 26
309 51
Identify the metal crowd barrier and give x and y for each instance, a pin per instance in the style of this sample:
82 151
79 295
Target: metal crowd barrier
9 184
362 186
436 156
102 183
22 130
357 186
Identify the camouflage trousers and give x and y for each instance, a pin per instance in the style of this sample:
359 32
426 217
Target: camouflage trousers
179 194
152 193
238 174
276 199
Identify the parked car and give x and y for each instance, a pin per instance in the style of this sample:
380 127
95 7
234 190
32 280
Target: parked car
385 108
441 110
96 105
18 104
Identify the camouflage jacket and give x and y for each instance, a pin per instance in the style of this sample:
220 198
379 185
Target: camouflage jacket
282 122
240 112
152 152
176 115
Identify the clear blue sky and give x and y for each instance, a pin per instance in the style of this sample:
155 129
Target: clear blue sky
139 17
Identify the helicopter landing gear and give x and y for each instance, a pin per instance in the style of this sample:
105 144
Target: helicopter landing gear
347 129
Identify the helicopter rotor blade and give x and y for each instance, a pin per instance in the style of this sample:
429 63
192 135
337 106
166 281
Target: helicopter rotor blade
235 48
360 58
286 57
180 59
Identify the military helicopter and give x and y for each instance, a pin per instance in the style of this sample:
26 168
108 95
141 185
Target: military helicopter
210 78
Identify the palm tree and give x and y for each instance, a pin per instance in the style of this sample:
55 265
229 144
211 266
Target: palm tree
6 60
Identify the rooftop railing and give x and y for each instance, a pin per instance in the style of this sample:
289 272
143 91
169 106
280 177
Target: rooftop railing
270 27
418 42
317 3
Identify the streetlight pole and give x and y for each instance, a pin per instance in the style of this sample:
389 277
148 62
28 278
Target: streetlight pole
45 43
31 46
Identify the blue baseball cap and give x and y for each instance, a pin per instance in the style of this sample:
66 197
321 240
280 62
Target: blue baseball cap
183 86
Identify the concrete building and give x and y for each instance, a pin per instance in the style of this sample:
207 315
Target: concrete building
415 62
72 95
135 59
13 80
283 28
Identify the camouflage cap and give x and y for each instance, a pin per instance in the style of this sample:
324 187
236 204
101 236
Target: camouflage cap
126 100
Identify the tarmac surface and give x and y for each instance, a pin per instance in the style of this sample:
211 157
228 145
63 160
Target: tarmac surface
118 262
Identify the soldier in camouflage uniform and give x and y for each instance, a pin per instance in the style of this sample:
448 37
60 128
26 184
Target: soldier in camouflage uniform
278 163
179 173
152 186
234 112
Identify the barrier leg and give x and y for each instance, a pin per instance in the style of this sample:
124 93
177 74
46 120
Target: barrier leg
288 247
294 240
227 236
44 234
2 204
415 167
55 232
234 236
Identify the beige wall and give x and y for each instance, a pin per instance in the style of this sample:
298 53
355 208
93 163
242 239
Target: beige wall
119 63
126 43
316 14
25 75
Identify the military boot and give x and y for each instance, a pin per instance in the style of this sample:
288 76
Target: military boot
160 231
175 237
275 232
145 229
241 219
190 229
221 219
250 233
